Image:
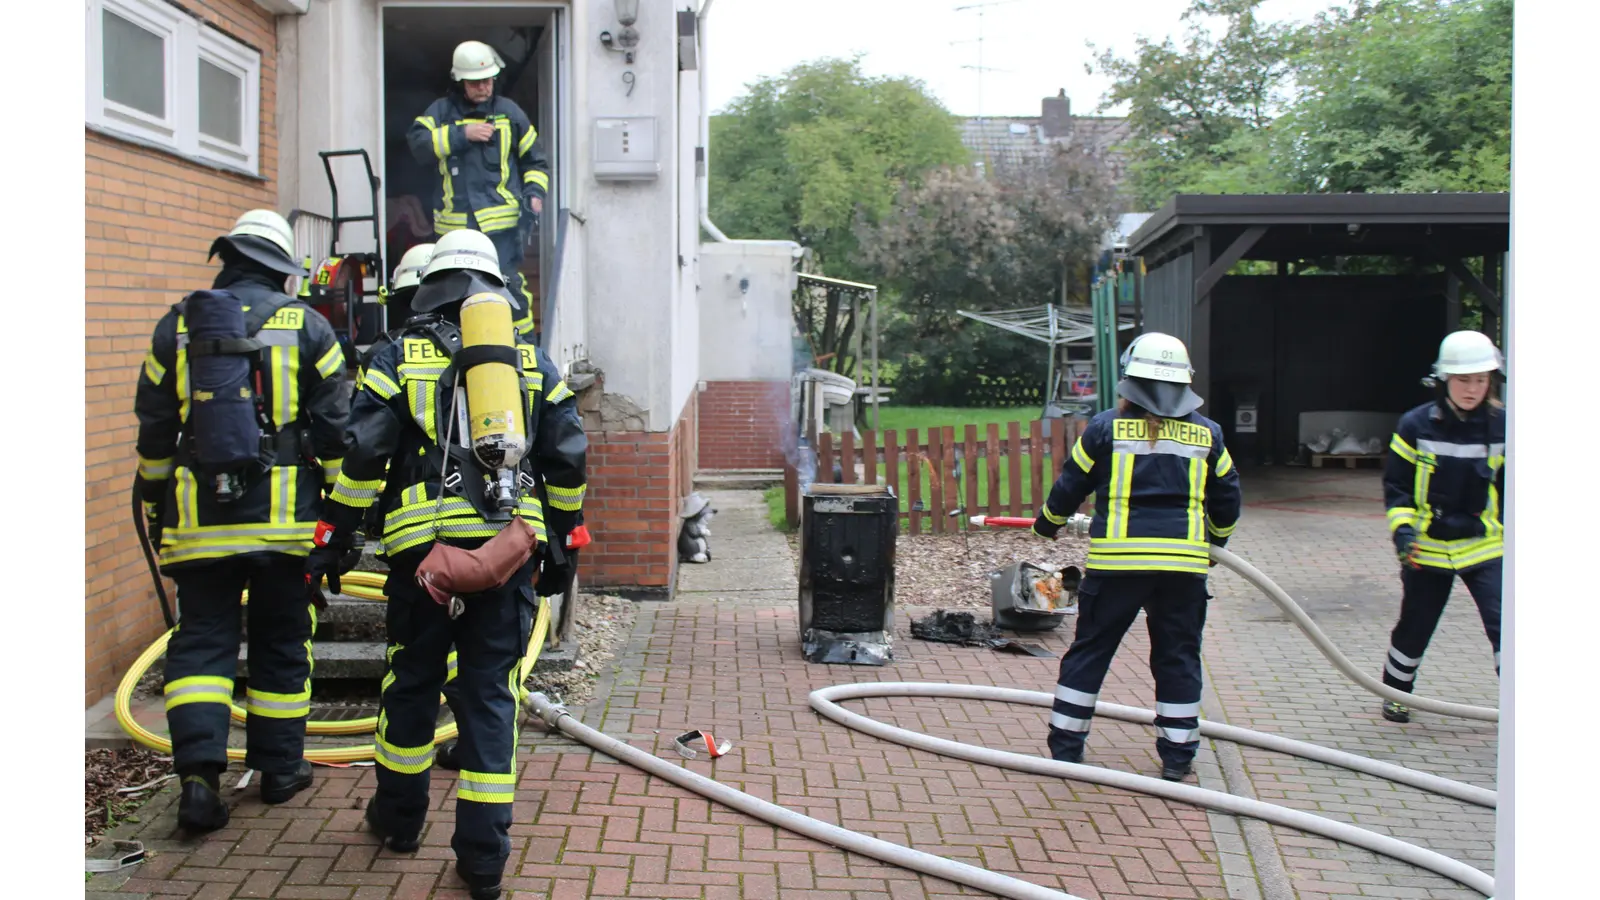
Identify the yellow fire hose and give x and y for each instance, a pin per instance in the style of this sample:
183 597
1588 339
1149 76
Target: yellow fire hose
361 586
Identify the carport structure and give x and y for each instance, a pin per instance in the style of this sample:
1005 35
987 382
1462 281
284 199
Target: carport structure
1294 342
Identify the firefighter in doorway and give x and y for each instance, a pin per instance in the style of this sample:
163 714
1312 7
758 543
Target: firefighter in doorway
242 405
492 171
1444 486
1165 490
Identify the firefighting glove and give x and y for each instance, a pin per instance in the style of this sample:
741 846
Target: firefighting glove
333 554
557 568
1405 546
1045 528
153 505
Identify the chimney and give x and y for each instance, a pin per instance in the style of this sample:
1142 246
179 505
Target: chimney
1056 115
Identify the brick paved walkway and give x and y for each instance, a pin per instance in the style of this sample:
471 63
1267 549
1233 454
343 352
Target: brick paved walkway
596 829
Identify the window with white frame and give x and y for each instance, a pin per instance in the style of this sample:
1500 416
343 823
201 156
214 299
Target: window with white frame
157 75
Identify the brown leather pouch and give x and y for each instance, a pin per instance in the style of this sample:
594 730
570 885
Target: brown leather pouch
451 571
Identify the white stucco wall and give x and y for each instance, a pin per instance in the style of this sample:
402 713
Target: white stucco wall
747 331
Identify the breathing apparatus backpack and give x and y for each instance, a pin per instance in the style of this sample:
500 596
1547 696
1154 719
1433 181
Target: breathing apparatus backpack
229 437
482 452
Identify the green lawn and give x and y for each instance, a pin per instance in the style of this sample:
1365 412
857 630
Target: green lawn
923 417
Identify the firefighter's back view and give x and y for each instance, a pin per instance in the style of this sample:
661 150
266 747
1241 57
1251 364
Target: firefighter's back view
469 441
242 402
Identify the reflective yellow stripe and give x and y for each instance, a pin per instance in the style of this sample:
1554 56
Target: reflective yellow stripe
1400 448
405 760
487 787
559 393
285 363
331 362
380 384
1220 532
155 469
278 706
355 494
534 176
526 144
1419 491
1197 498
450 667
198 689
153 369
502 129
1117 495
569 499
175 552
1224 463
282 485
1044 510
1081 456
1401 515
331 469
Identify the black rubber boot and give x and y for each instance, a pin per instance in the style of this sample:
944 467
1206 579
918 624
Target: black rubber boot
200 806
1396 712
397 842
445 757
276 788
1175 771
480 887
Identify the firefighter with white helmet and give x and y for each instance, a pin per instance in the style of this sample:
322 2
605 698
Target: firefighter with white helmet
406 456
1444 487
1165 491
236 446
493 175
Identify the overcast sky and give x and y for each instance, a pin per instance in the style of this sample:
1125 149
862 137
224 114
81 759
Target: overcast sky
1040 43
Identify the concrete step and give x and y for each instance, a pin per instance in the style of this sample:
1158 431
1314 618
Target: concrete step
737 479
345 619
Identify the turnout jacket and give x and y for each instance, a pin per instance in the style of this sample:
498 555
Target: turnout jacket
306 392
1159 504
1444 484
490 179
394 459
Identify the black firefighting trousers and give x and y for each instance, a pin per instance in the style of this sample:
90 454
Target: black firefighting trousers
1175 614
489 639
203 656
1425 592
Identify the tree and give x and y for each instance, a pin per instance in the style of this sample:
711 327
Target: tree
961 241
1194 111
1406 95
799 156
1394 95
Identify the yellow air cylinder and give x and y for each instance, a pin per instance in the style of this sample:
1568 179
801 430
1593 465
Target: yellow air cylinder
494 398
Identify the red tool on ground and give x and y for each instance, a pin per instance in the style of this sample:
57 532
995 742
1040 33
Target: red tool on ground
1001 522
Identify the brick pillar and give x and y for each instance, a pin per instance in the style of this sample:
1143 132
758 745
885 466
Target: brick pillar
636 481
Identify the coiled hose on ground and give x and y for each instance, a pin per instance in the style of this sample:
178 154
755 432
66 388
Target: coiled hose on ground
367 585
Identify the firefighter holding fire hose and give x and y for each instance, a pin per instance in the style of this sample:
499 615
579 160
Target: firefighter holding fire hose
469 441
491 164
1165 490
1444 487
242 403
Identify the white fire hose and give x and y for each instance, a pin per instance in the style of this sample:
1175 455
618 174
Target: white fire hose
825 702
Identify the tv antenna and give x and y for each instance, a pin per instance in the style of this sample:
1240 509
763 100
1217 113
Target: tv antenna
980 68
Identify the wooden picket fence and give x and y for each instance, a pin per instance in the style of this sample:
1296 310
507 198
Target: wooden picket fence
941 481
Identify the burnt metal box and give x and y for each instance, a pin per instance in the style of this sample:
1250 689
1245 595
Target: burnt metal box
847 544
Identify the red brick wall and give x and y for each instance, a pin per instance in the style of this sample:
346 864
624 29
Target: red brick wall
149 217
636 480
741 424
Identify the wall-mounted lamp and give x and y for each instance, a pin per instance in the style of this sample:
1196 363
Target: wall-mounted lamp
628 38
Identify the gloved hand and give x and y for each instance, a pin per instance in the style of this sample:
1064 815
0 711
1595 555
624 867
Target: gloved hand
1405 546
333 553
555 577
1045 528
